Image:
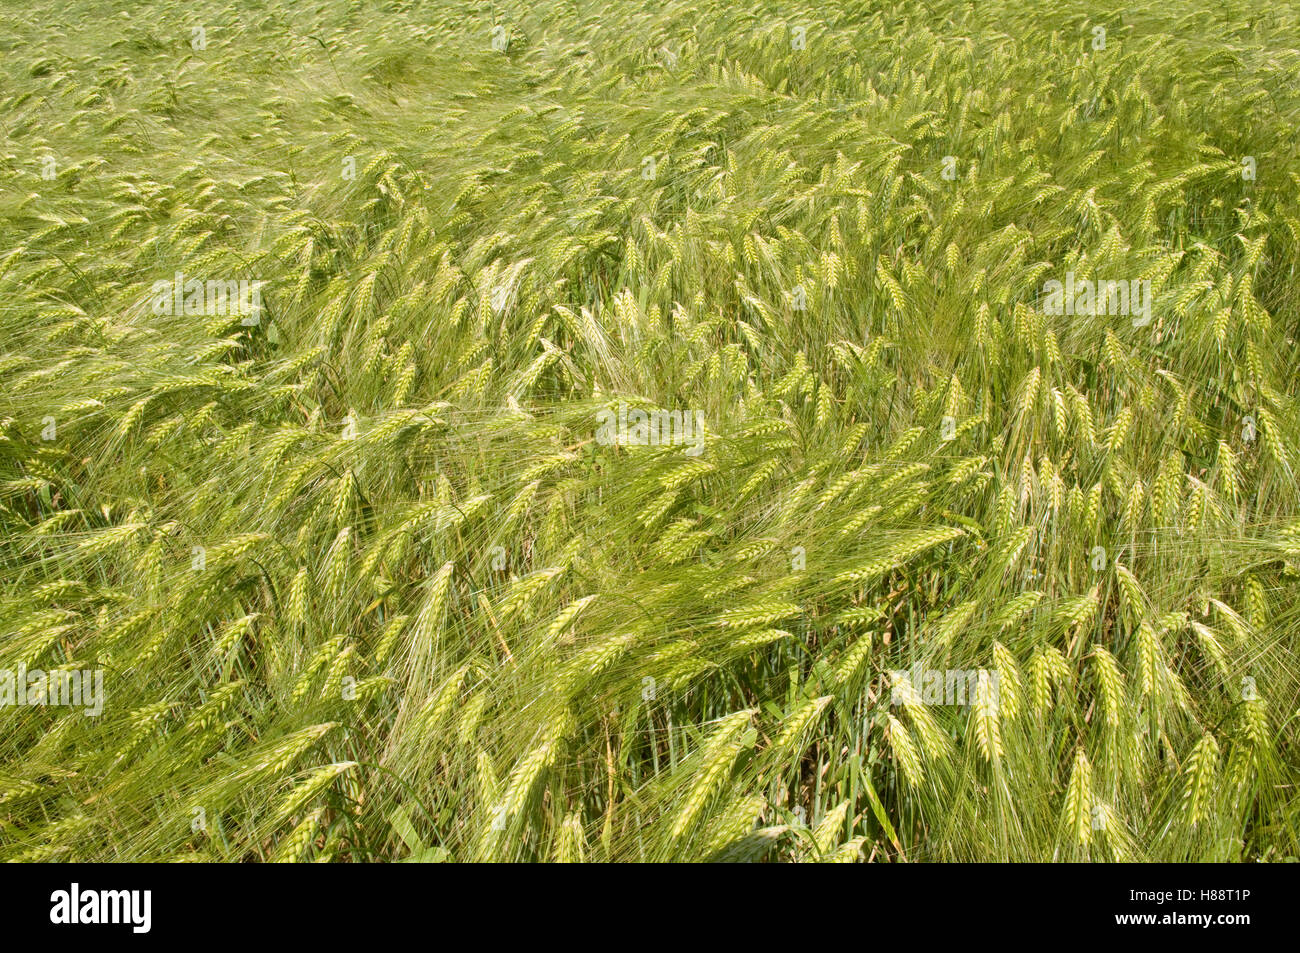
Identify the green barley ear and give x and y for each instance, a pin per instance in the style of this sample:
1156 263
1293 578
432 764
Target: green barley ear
565 617
1110 684
1077 814
1257 609
1134 506
1232 622
1228 469
1199 778
1014 612
1047 668
388 638
988 723
297 614
570 841
725 743
905 753
830 830
336 562
278 756
308 790
505 822
1151 664
934 741
322 655
848 671
732 827
792 739
291 849
1010 685
1254 723
1211 646
951 623
1134 598
1093 519
468 725
847 853
424 629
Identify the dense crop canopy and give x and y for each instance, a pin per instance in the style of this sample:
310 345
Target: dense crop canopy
649 431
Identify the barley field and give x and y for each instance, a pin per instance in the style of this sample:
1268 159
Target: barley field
665 431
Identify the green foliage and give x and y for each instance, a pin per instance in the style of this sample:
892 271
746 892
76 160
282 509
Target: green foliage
365 584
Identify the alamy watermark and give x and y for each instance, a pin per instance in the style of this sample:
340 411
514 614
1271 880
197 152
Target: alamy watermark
32 688
1086 296
654 428
193 296
939 686
131 907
